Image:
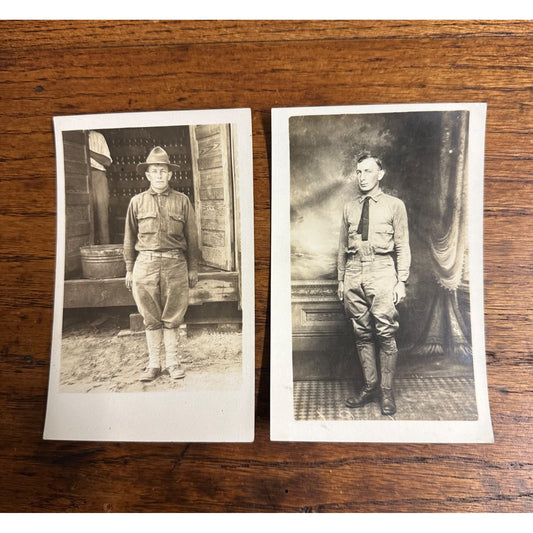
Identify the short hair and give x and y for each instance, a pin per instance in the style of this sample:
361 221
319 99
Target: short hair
368 155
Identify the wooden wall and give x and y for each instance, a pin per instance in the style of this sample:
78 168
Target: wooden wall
79 230
212 164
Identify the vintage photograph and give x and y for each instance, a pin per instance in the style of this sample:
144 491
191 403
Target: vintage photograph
155 268
383 212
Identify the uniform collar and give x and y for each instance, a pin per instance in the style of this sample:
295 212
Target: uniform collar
374 195
164 193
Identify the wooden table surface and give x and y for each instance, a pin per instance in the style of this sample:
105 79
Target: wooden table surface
61 68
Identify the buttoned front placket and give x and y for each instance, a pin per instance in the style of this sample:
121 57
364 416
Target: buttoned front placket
161 200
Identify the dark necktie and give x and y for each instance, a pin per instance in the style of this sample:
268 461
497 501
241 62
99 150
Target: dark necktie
362 229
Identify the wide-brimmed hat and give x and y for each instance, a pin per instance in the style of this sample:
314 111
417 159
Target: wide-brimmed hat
157 156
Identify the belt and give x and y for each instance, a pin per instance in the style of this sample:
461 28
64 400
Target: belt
356 252
171 254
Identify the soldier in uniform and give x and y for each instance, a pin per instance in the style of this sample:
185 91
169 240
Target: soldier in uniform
373 266
161 254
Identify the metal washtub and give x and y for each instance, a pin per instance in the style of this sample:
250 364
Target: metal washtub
103 261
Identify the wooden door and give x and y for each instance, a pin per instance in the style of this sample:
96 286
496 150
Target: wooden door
213 191
79 229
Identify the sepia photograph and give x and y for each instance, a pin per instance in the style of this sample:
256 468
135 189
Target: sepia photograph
154 289
380 276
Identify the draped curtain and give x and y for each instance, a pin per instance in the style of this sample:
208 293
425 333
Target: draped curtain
446 332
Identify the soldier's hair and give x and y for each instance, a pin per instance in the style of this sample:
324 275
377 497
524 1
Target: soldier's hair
368 155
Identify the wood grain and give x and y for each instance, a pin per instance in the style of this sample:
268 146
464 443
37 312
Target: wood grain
52 68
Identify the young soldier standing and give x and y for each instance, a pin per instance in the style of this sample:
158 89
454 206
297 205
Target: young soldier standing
161 254
373 266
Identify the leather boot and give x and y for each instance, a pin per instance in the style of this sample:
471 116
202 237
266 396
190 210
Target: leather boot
369 392
388 356
154 337
173 364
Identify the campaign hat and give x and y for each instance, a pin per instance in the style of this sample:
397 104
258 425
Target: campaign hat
158 156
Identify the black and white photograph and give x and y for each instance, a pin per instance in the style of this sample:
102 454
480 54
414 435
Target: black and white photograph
154 305
377 278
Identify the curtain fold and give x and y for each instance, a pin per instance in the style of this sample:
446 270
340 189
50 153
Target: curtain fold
446 332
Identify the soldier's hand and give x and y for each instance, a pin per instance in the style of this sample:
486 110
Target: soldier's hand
193 278
129 280
340 291
399 292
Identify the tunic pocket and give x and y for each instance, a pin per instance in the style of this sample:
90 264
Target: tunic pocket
383 238
147 223
354 238
177 221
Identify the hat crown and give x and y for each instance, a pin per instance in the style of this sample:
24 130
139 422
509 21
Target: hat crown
158 156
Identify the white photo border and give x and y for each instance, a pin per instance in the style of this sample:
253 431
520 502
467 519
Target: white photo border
171 416
283 425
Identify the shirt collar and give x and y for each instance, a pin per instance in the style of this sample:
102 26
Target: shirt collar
164 193
374 195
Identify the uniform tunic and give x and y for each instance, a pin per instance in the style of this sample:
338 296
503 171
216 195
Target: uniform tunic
368 268
160 247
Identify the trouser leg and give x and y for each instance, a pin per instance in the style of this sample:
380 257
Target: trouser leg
380 285
146 291
146 295
369 301
174 288
174 302
357 307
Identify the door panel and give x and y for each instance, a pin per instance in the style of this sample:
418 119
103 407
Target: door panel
212 164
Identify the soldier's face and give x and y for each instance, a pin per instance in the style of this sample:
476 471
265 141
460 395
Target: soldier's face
368 175
158 176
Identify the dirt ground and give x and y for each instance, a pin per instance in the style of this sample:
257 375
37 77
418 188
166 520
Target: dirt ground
99 355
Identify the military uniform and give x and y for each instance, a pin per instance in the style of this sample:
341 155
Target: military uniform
370 266
160 248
